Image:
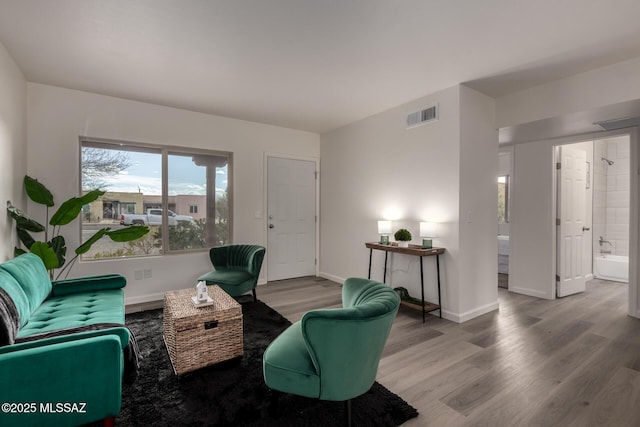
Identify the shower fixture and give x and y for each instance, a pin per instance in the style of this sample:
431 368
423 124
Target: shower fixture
609 162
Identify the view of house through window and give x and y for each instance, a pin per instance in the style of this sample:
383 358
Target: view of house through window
503 199
197 186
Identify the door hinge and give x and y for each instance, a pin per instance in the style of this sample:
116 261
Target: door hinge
558 166
316 174
557 278
557 221
315 261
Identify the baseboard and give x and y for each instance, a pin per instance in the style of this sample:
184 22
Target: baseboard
143 306
471 314
332 277
529 292
144 299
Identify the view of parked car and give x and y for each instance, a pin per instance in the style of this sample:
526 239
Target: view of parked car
153 217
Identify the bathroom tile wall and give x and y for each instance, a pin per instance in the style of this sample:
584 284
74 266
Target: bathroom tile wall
600 184
617 194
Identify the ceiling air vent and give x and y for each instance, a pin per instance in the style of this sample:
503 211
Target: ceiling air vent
423 116
621 123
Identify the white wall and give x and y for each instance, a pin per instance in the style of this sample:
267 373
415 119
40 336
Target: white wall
478 204
590 90
57 117
13 146
377 169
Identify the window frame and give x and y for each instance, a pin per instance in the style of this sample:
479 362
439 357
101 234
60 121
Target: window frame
165 151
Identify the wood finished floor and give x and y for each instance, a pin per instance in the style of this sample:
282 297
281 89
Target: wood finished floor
573 361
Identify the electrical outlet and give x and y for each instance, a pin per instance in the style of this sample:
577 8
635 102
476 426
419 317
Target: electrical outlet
147 273
137 274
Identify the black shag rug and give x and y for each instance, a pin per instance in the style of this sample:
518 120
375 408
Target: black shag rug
233 393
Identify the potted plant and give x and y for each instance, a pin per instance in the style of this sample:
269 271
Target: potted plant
402 236
53 249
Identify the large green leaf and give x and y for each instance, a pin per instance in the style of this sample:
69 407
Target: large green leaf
59 246
25 238
70 209
91 196
17 252
37 191
22 220
47 254
67 212
128 234
87 245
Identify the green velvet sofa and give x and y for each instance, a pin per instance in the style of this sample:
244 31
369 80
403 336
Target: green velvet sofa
57 365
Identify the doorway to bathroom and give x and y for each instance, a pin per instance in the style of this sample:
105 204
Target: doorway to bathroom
505 172
592 213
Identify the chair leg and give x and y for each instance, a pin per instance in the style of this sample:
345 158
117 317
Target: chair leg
347 412
255 299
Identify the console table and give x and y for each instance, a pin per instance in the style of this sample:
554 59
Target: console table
415 250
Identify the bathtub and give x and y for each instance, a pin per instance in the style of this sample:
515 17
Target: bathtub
611 267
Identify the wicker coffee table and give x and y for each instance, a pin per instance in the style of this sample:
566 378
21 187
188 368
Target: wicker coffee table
196 337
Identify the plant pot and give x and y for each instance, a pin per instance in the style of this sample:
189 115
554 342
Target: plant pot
402 244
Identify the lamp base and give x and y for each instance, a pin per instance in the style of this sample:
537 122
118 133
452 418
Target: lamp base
427 243
384 240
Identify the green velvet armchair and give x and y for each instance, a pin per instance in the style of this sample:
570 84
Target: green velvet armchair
333 354
236 268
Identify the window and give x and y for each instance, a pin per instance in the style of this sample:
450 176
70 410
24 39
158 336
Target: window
134 176
503 199
129 208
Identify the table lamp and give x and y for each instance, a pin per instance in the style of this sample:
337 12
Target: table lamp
384 230
427 232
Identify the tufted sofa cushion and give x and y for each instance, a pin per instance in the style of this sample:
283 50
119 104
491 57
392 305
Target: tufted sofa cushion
70 311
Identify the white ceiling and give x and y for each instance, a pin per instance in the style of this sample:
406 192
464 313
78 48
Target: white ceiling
310 64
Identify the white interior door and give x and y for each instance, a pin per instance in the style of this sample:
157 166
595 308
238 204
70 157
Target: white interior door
571 179
291 218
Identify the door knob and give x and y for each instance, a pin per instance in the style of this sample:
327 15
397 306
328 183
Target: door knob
585 229
271 226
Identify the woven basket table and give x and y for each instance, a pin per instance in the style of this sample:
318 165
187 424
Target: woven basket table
196 337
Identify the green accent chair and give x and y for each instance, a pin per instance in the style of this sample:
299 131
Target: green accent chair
236 268
333 354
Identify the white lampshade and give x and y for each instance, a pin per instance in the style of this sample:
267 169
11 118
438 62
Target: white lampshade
384 227
427 229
